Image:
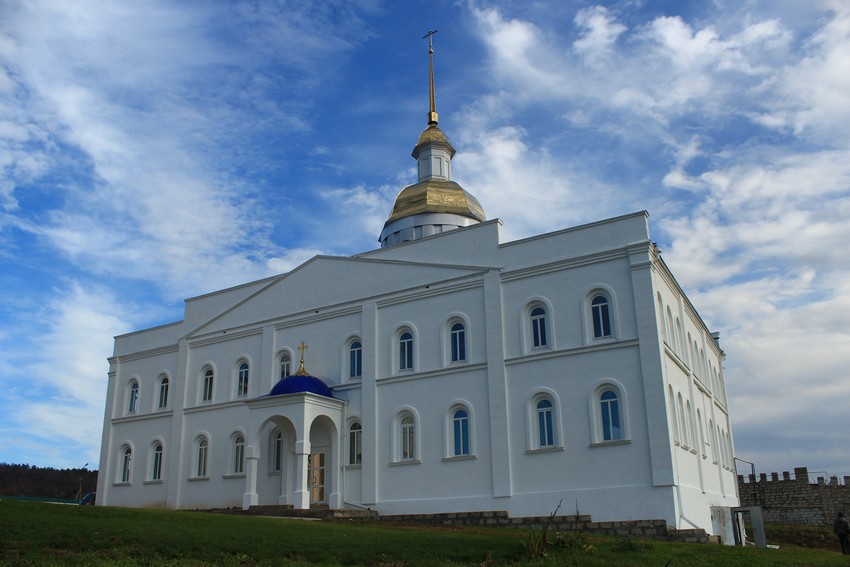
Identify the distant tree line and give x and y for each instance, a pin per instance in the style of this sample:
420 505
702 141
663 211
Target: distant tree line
45 482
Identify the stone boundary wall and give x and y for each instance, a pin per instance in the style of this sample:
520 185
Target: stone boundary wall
645 529
796 501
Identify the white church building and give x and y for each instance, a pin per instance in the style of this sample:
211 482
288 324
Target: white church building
446 371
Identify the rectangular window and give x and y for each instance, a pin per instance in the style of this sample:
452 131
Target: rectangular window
355 445
405 360
202 459
538 328
239 457
461 430
458 340
163 393
355 369
208 386
545 424
242 387
156 474
408 439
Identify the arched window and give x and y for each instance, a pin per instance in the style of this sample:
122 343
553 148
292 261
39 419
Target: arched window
207 391
285 365
538 328
238 454
163 392
277 451
156 467
355 360
405 352
601 317
133 398
679 338
671 330
610 411
671 410
701 433
683 424
714 454
692 440
242 381
408 438
457 338
126 464
355 444
460 426
202 456
545 424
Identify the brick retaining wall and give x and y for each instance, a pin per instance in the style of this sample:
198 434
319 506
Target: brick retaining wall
795 501
646 529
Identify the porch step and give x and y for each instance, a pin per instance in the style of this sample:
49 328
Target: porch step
317 512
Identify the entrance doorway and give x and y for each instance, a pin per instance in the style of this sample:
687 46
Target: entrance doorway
316 478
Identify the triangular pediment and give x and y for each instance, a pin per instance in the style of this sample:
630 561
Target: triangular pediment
329 283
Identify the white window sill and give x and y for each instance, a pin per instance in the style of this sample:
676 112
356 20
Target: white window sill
610 443
406 462
354 466
194 478
122 484
469 457
552 449
157 481
234 475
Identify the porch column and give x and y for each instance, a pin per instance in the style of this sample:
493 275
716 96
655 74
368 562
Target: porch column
301 500
252 461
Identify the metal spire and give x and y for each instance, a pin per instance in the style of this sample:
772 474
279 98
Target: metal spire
432 113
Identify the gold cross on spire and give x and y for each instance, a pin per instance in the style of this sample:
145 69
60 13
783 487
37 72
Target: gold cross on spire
301 371
432 113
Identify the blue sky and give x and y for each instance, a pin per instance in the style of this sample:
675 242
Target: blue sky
153 151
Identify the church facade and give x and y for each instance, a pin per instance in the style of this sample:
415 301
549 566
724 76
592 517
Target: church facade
445 371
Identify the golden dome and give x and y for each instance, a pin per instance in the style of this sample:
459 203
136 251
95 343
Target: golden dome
432 135
436 196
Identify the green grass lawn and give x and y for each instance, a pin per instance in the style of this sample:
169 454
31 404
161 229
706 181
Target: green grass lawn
34 533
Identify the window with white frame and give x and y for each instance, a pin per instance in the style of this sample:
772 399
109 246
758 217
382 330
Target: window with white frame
701 434
539 338
683 424
601 314
545 423
714 454
671 410
242 380
133 398
285 365
408 447
457 340
671 331
207 386
202 456
355 444
460 431
610 412
238 454
405 350
156 464
355 359
163 392
126 464
692 441
277 450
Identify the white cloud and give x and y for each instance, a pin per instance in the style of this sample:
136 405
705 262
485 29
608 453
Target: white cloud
752 183
600 32
54 385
